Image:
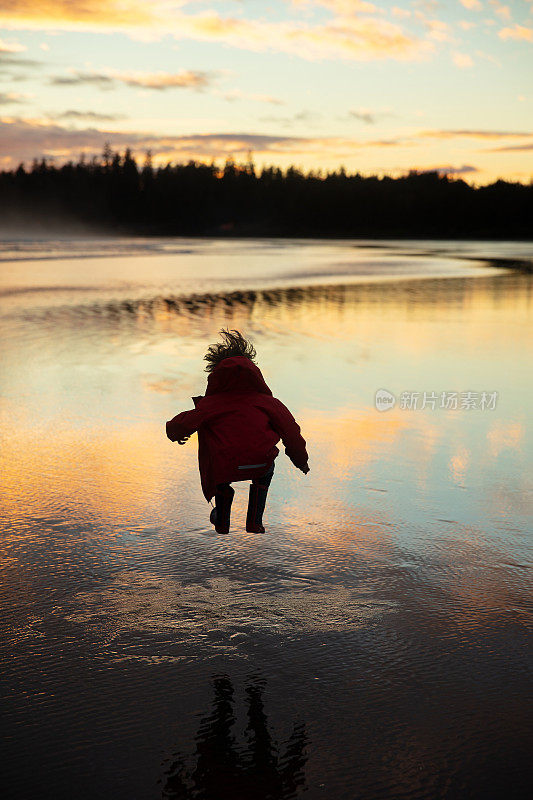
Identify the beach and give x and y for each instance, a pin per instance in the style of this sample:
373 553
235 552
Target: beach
374 642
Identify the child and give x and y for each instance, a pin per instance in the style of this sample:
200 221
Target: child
239 424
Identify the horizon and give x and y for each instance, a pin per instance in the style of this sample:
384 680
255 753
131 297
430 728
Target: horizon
377 88
143 159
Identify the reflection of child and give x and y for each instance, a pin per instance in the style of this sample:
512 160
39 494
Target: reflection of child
239 424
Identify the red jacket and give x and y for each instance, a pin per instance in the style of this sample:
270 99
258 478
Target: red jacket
239 424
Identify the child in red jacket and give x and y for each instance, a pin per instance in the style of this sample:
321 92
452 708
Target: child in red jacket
239 424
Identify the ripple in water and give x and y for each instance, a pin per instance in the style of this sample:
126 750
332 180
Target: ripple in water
375 642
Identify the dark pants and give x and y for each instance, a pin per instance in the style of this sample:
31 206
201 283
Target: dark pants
256 501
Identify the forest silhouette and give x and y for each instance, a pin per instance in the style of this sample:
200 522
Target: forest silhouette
115 194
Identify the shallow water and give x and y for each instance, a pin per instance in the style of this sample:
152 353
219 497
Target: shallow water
374 643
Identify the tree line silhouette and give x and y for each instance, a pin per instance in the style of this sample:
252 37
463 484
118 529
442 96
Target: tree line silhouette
115 194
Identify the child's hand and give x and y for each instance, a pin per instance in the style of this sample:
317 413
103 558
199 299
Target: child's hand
305 469
183 440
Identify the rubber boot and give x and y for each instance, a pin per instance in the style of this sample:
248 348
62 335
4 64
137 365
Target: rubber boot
221 514
256 505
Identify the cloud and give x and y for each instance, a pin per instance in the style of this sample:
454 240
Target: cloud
237 94
77 14
474 134
402 13
472 5
437 29
512 147
355 30
8 98
304 116
87 116
465 169
353 38
185 79
24 139
77 78
364 116
347 8
9 55
503 11
159 81
488 57
11 47
462 60
10 60
367 116
518 32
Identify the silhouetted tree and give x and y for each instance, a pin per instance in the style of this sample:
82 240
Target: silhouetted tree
112 193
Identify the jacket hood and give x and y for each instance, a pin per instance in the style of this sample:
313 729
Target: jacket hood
236 374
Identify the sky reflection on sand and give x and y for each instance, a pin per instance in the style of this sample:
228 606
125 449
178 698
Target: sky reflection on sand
399 565
86 439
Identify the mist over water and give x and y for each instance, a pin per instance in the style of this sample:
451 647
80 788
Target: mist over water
374 642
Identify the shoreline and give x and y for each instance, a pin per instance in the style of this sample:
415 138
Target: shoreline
88 232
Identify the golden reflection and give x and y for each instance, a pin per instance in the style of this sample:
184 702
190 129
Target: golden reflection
479 581
102 472
114 473
459 464
505 435
88 457
348 438
369 311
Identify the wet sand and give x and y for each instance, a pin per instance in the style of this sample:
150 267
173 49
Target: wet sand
375 642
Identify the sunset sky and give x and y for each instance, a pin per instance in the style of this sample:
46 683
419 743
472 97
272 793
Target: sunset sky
377 87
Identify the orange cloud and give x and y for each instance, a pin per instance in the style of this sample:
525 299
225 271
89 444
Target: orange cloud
343 37
510 148
11 47
503 11
237 94
349 7
9 98
462 60
518 32
349 34
474 134
26 138
403 13
162 80
92 14
159 81
472 5
184 79
22 139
